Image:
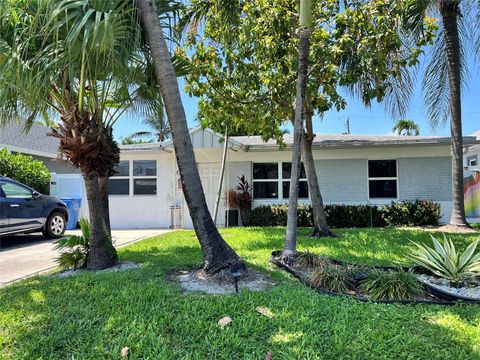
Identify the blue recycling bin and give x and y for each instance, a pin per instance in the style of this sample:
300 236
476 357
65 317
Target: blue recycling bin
73 206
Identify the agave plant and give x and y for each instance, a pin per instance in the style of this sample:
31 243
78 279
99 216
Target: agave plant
74 249
446 262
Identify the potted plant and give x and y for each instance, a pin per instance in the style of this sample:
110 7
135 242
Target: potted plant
232 205
245 198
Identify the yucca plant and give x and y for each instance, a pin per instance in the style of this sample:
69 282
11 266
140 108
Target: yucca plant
74 249
446 262
391 285
334 278
310 261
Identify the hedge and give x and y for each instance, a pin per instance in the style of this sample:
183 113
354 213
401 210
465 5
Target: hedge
26 170
403 213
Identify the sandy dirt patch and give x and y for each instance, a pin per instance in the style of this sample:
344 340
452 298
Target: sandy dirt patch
198 281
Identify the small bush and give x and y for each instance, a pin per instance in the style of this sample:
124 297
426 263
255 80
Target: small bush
391 285
26 170
74 249
334 278
310 261
404 213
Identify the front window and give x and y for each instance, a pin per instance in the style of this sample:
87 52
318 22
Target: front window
272 181
144 177
382 179
137 177
119 184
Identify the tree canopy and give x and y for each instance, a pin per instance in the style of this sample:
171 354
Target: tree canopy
244 62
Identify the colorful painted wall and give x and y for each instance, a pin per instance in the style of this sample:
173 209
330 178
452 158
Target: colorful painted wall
471 189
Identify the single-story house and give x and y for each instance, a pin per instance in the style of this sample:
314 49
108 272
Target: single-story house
35 143
352 169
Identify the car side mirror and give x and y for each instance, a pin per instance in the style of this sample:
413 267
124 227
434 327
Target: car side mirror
35 194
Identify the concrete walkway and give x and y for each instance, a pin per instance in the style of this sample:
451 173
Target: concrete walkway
22 256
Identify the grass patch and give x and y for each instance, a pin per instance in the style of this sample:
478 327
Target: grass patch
95 316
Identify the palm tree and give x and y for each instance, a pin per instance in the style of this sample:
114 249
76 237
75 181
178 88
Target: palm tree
406 127
159 125
77 60
444 75
301 89
218 255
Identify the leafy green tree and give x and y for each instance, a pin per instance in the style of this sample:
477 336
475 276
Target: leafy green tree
406 127
246 65
81 61
445 74
217 254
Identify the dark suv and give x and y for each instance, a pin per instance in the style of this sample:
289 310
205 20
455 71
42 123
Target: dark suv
24 210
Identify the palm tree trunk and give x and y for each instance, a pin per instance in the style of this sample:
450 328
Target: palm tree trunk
103 192
291 233
218 255
320 224
450 11
102 253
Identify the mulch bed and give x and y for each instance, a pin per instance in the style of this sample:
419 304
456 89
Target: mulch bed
432 296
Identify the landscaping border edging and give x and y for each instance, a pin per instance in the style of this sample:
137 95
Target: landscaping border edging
292 271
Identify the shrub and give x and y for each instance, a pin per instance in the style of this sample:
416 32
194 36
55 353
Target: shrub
26 170
391 285
446 262
412 213
74 249
334 278
310 261
404 213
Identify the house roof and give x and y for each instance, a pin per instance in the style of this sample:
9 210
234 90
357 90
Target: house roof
35 142
334 141
143 147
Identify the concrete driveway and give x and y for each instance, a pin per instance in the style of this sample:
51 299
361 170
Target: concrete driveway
22 256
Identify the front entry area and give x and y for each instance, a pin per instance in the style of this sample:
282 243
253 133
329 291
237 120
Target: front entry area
210 175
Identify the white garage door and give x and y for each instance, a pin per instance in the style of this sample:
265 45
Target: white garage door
210 175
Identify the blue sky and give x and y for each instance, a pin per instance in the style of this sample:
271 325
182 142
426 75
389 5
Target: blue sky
374 120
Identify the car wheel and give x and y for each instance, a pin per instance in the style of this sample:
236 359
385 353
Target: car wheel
55 225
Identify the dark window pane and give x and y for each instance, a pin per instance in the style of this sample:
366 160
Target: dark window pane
382 168
287 171
302 190
383 188
118 186
265 171
145 186
265 190
122 169
145 168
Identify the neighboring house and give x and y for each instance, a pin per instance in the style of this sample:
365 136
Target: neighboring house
352 169
472 153
35 143
472 181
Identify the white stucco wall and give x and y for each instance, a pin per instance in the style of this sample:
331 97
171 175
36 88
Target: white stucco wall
146 211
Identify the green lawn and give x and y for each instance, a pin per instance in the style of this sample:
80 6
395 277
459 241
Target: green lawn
95 316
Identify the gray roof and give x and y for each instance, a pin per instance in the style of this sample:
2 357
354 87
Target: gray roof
35 142
142 147
334 140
